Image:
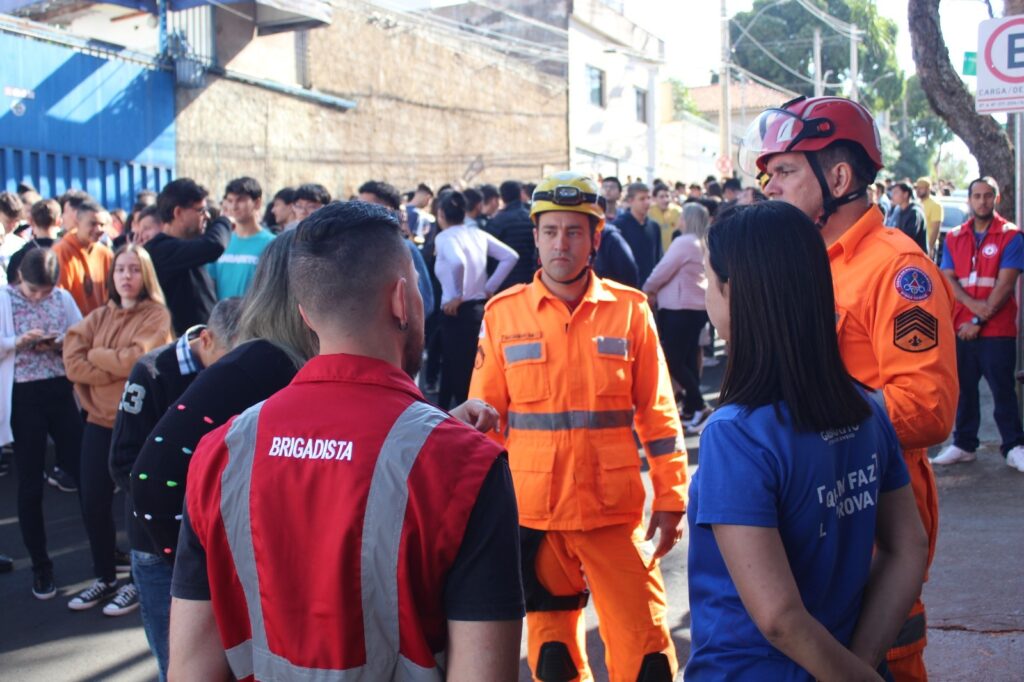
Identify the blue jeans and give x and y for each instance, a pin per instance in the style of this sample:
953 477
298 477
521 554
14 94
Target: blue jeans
993 358
153 579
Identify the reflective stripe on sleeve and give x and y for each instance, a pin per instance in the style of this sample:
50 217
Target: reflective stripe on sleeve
664 446
574 419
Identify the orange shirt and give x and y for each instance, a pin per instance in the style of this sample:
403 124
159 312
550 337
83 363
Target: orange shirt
83 271
894 314
570 387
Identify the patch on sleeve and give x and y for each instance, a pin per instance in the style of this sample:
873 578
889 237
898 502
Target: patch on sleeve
915 330
913 284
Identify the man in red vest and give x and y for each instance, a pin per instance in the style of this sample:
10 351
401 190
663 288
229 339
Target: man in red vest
344 527
982 260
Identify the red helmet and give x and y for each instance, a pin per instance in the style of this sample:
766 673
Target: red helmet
809 125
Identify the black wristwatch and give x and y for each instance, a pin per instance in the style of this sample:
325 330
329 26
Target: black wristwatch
977 321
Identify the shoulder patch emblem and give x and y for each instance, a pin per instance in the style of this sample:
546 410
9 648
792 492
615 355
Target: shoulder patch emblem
989 250
915 330
913 284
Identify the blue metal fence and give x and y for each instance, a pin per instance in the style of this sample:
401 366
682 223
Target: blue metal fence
70 119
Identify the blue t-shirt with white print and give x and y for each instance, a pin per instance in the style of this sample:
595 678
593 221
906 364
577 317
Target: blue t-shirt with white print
820 490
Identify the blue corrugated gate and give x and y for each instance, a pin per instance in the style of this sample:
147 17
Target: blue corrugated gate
69 119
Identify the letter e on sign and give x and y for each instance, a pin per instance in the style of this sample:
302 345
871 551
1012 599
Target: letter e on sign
1000 65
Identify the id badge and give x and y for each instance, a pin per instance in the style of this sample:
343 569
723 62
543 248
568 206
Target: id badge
972 279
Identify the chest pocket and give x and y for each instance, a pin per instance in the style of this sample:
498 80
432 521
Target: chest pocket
613 369
526 372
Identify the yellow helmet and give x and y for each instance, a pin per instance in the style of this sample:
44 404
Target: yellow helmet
568 191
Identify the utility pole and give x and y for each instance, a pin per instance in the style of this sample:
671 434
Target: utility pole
854 70
819 83
725 114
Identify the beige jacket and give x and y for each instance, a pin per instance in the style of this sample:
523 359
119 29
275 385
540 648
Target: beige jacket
99 353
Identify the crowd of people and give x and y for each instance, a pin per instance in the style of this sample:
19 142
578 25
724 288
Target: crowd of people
252 373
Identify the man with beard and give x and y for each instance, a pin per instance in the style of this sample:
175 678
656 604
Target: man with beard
350 528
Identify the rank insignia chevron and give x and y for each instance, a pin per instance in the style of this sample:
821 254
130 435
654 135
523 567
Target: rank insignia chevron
915 330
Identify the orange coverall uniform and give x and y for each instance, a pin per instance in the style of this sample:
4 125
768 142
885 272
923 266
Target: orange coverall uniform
570 386
895 323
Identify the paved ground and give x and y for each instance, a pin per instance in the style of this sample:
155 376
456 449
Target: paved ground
975 597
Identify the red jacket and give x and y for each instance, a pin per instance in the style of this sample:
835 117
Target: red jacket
330 515
983 260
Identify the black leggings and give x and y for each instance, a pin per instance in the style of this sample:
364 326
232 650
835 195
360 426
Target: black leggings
40 409
680 337
459 334
96 491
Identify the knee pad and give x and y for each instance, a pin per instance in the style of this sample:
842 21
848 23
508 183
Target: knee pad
554 664
655 668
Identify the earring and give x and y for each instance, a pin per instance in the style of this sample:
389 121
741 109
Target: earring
403 325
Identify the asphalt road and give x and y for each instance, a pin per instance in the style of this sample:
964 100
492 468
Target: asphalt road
975 596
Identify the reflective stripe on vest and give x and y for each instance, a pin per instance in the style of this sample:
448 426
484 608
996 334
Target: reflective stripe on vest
981 282
574 419
378 559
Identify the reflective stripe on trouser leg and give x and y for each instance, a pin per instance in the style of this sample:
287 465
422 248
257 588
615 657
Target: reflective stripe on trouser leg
382 531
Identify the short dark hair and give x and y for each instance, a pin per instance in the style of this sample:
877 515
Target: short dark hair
783 344
88 206
473 198
489 192
40 267
73 196
453 205
180 193
384 191
660 187
11 204
714 189
635 188
148 211
312 191
245 186
26 187
988 180
511 191
286 194
845 151
612 178
45 213
422 187
733 184
145 196
905 187
342 257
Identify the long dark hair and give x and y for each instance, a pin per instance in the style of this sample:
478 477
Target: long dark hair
783 346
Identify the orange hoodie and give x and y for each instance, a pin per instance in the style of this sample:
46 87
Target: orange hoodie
83 271
99 353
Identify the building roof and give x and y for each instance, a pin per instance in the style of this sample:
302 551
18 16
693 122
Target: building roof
751 95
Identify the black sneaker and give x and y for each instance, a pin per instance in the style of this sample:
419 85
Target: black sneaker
43 586
125 601
6 564
122 561
92 595
62 480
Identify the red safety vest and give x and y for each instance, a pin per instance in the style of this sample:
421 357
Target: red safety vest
331 515
977 267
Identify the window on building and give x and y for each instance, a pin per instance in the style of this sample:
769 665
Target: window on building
641 105
595 83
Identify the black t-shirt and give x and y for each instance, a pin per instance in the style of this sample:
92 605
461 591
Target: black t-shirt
155 382
484 584
252 372
15 262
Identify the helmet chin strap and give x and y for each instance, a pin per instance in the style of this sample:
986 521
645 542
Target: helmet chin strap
830 204
582 273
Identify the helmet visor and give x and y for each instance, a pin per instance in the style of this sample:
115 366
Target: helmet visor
776 131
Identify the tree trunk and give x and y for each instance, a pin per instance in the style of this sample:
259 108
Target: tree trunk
951 100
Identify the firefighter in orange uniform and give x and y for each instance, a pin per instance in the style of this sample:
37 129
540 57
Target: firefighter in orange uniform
893 307
572 363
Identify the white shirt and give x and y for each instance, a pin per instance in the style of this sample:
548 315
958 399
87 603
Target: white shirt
461 264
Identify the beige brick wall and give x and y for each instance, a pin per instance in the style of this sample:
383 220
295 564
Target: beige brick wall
428 104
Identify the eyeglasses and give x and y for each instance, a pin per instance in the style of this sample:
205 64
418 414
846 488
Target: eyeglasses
566 195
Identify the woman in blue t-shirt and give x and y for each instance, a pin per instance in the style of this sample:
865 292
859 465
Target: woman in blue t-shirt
800 476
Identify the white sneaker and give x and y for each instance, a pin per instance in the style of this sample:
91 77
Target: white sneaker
698 422
952 455
1015 458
